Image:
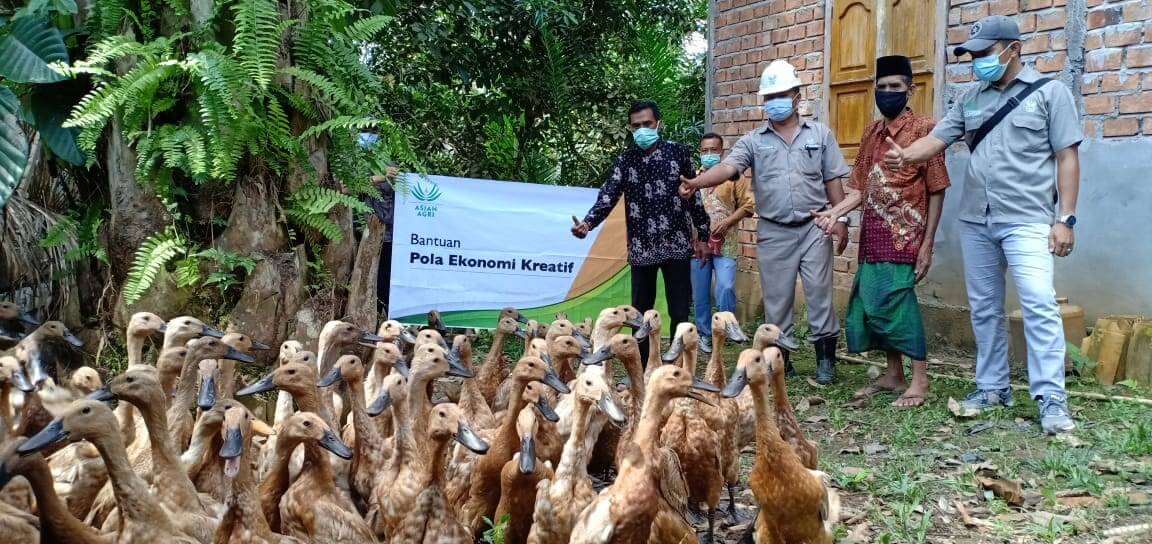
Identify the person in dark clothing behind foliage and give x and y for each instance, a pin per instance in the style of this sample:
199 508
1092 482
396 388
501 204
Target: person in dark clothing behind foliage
659 222
383 207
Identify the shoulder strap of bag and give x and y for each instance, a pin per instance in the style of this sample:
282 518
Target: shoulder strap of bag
1004 110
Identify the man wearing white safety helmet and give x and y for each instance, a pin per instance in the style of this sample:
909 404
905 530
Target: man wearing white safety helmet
796 169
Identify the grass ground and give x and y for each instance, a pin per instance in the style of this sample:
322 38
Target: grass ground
905 473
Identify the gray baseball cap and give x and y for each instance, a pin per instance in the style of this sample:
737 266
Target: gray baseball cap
987 31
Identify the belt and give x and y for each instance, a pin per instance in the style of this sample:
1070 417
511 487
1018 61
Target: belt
800 223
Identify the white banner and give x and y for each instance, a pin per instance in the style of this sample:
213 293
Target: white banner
469 247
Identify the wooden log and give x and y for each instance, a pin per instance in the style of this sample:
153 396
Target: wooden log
1138 364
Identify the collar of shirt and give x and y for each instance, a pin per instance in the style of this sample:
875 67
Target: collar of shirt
769 128
894 126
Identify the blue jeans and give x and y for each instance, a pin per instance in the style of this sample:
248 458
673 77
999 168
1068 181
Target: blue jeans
990 250
725 268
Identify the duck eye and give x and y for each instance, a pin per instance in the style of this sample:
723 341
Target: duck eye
86 410
292 371
307 423
588 383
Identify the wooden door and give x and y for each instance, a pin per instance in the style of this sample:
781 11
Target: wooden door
862 30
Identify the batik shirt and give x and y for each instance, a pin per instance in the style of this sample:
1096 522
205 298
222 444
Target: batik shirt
659 222
895 205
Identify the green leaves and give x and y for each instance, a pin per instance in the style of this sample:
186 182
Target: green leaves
309 206
50 105
152 256
13 146
31 45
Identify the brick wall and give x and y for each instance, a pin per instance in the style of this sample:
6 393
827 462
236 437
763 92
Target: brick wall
1113 67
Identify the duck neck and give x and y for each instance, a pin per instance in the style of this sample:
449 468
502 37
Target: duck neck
651 421
243 499
164 455
186 389
472 402
136 502
516 403
226 388
307 399
135 346
714 374
573 457
688 361
316 462
418 402
635 371
56 521
366 431
439 458
654 360
5 409
276 482
405 447
768 441
780 394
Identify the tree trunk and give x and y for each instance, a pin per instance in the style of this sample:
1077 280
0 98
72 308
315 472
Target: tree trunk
272 296
253 226
136 212
362 287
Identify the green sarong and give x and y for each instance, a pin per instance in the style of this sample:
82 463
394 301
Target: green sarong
883 313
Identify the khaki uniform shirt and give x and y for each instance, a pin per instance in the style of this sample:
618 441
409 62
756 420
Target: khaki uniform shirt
788 179
1011 177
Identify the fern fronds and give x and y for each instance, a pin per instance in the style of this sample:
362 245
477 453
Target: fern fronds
334 95
309 206
344 122
365 29
257 38
152 256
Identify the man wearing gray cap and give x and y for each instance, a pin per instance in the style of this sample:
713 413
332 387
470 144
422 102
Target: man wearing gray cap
1016 210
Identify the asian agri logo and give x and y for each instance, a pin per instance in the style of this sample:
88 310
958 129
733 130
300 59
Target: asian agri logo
426 193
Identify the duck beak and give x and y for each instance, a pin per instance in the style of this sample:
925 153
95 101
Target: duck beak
551 379
581 339
207 397
523 335
234 355
5 476
104 394
635 322
467 438
212 331
27 319
20 380
233 443
457 369
407 337
736 383
36 373
642 332
598 358
163 328
261 428
401 368
332 443
734 333
265 384
674 350
382 402
370 338
260 346
52 434
527 455
521 319
331 378
699 385
72 339
609 407
546 410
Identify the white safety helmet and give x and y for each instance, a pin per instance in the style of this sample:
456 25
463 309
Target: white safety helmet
778 77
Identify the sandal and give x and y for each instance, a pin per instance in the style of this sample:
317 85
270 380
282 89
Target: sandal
872 390
917 401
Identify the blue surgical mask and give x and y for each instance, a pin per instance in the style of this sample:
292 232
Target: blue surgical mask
708 160
645 137
367 139
989 68
778 109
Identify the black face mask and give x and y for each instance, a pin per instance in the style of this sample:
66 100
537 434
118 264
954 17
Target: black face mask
891 103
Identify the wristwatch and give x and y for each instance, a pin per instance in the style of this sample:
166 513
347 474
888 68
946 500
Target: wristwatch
844 219
1068 219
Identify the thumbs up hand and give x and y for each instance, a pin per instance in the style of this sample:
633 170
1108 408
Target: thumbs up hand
894 158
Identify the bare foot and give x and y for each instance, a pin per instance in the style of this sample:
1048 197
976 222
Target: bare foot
885 384
914 396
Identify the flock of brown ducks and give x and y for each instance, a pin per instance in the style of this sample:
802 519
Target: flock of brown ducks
400 436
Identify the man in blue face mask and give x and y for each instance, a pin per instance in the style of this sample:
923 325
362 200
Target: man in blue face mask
660 224
796 169
1016 210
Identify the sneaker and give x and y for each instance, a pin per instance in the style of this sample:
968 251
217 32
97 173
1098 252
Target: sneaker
1054 415
706 344
984 399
